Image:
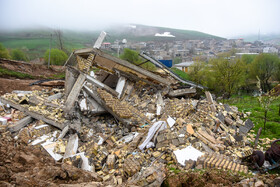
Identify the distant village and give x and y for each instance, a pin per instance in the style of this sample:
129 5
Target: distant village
184 53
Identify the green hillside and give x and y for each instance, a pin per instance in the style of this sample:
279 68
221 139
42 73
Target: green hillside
36 42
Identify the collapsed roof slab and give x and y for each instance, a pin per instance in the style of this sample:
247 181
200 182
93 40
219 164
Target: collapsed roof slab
114 64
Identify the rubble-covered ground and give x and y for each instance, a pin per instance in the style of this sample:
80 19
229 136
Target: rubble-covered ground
25 164
126 126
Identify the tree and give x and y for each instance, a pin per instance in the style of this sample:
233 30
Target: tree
17 54
228 75
59 35
197 71
177 60
265 67
130 56
265 100
277 74
248 59
4 53
58 57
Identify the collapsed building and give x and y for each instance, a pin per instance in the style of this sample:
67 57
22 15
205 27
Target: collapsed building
126 123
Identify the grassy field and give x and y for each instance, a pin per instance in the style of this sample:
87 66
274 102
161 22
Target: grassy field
36 47
251 104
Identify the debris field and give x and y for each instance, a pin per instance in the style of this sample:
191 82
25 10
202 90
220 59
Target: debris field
121 124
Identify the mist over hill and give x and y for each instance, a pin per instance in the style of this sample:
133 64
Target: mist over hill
35 41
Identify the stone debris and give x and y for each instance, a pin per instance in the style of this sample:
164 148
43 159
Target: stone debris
126 124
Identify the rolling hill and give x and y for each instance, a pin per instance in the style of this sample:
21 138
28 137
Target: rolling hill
36 41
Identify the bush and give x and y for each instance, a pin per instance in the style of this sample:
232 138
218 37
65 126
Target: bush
4 53
17 54
58 57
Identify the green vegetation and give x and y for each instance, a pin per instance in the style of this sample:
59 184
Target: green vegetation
226 76
182 74
229 75
133 57
58 57
4 53
265 67
251 104
6 72
18 54
57 76
248 58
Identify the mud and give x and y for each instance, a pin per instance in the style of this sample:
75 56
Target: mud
23 165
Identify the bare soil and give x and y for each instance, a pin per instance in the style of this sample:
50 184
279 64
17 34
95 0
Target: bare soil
210 177
36 70
23 165
8 84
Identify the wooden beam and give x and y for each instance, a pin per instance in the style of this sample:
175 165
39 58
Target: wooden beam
20 124
73 95
181 92
33 114
114 60
69 80
99 84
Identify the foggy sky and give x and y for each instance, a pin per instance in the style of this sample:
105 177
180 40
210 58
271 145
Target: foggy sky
225 18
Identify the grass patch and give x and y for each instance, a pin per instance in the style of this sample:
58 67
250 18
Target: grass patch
9 73
250 104
182 74
57 76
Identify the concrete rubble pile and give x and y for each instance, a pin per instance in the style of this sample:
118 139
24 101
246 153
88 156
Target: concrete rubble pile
126 123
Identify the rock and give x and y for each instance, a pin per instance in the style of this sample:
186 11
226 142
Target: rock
259 183
269 182
276 181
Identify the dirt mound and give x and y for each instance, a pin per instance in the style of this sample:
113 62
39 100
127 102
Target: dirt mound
36 70
209 177
8 85
24 165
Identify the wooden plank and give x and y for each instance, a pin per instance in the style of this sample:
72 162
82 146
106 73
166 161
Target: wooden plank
209 97
181 92
33 114
207 136
73 95
101 85
132 67
35 100
20 124
55 96
69 81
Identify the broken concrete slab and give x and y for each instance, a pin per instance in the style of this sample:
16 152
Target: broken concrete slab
72 146
247 127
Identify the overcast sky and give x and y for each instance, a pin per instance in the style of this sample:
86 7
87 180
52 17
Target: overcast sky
224 18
